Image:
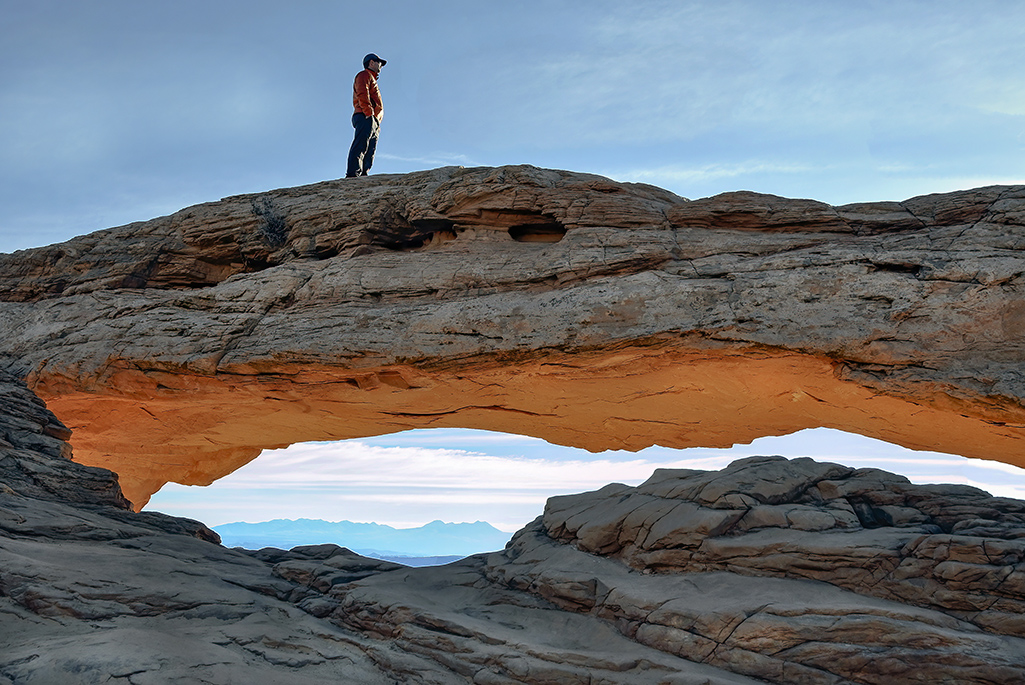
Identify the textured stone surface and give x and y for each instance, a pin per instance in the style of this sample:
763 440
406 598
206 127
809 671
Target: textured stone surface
179 348
785 571
949 547
91 592
768 571
35 456
540 302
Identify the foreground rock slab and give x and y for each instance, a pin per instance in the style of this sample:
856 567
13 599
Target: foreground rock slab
88 592
556 304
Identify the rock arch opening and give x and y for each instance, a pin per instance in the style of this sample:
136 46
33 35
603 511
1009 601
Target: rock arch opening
460 490
155 425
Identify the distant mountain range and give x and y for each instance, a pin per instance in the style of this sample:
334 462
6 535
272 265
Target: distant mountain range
436 539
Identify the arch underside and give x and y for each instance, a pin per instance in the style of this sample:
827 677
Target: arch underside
154 427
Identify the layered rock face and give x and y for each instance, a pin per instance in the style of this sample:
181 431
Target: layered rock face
560 305
554 304
768 571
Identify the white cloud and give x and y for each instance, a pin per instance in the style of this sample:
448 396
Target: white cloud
355 464
410 485
431 160
672 174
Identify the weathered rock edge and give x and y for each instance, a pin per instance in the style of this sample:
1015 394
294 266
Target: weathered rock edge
355 307
770 570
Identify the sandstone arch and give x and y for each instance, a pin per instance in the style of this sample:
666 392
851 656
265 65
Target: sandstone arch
347 309
193 429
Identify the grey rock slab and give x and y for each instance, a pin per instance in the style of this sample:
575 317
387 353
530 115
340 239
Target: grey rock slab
765 627
771 570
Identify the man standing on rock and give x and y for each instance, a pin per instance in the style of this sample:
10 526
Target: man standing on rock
366 100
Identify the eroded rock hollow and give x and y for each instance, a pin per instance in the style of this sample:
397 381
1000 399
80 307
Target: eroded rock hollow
556 304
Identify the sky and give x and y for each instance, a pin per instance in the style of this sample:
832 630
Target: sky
114 111
409 479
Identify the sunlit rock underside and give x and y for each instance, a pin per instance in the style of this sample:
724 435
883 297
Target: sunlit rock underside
555 304
560 305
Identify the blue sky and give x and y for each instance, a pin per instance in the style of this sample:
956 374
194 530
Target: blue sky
114 111
119 111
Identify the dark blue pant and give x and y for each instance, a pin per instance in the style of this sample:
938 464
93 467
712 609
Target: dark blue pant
364 144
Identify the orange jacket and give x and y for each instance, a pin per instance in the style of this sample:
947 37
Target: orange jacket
366 97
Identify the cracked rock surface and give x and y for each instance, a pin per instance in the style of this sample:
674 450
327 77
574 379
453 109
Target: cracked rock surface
548 303
92 592
769 571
